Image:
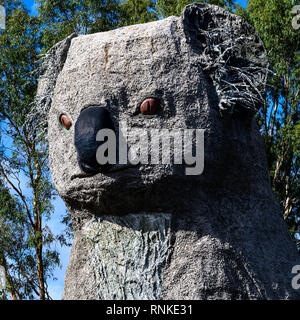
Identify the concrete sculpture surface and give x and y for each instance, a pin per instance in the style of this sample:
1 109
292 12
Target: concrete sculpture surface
151 231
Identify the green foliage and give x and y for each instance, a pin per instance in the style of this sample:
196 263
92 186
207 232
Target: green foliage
24 158
137 11
62 18
280 116
16 251
168 8
273 21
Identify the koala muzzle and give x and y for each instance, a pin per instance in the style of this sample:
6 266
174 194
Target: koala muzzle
89 123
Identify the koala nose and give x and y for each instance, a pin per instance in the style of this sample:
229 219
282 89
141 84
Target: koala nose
88 124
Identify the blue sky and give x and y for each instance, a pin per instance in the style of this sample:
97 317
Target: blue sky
243 3
56 287
30 5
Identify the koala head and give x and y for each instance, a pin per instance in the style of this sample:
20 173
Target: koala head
190 72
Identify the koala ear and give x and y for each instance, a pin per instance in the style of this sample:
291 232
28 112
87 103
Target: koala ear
231 53
52 65
196 17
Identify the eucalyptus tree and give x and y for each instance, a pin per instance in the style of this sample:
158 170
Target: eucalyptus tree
279 118
24 157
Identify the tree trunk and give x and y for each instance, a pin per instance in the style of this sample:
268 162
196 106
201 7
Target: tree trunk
40 272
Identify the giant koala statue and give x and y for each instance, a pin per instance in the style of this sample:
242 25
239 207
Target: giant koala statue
150 231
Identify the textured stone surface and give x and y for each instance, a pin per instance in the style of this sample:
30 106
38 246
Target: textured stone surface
124 257
231 53
53 63
223 229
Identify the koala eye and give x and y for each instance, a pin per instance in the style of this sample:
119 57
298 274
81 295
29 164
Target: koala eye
149 106
65 122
